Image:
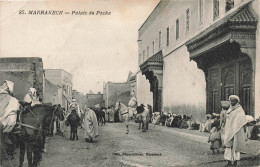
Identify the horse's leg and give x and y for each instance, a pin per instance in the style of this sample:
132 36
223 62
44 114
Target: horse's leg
73 132
76 132
22 151
70 132
29 154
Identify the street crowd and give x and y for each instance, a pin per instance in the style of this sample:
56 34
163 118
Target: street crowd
228 130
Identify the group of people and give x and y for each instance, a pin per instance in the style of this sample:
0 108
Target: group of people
86 119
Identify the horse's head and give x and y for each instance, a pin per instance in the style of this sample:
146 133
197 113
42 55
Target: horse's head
140 109
58 112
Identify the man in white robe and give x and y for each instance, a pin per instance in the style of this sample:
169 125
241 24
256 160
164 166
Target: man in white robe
8 112
234 132
31 97
91 125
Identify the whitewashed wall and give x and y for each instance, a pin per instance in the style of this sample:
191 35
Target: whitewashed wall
184 86
144 96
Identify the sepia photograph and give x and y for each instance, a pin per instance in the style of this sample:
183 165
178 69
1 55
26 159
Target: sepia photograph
129 83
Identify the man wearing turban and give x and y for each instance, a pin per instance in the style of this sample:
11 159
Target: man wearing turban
8 112
234 132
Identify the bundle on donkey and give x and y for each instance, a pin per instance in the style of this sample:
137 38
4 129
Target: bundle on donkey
74 121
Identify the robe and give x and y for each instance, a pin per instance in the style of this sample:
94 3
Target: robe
8 111
91 124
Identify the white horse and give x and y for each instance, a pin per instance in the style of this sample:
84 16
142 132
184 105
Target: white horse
124 112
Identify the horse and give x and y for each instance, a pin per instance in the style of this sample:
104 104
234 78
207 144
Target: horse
122 109
34 122
143 114
100 116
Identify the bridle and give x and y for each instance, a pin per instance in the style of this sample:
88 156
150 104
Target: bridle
33 127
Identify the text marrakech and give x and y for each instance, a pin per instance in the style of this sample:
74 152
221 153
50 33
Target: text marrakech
45 12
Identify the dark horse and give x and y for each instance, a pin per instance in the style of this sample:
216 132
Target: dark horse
35 122
100 116
143 116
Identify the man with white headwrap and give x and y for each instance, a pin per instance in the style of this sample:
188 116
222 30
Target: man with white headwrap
31 97
8 111
132 104
234 132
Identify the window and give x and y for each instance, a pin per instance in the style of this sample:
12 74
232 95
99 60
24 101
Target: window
167 36
201 11
147 51
177 29
160 39
215 9
187 20
153 47
229 4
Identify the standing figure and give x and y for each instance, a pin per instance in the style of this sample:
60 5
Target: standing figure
132 104
123 112
8 113
91 125
234 131
74 121
32 97
74 106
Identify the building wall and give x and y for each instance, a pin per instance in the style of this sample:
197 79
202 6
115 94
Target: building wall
81 99
24 72
64 80
256 8
94 99
184 86
52 93
144 96
115 92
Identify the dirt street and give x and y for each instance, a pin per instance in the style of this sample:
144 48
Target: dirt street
115 148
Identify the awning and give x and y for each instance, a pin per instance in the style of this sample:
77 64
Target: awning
154 62
237 26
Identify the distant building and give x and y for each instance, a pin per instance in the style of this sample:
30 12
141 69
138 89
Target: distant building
64 80
52 93
116 91
94 99
81 99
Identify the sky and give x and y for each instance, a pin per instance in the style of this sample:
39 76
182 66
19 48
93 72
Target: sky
93 48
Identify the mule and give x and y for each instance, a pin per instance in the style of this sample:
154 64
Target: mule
143 114
74 121
35 122
122 109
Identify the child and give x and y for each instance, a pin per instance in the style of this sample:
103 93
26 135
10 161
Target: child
215 138
74 121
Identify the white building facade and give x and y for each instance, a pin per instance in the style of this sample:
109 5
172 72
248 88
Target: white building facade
195 53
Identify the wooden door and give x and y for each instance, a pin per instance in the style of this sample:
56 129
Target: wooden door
213 93
228 82
245 86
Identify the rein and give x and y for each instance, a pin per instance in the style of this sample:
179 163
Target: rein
33 127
